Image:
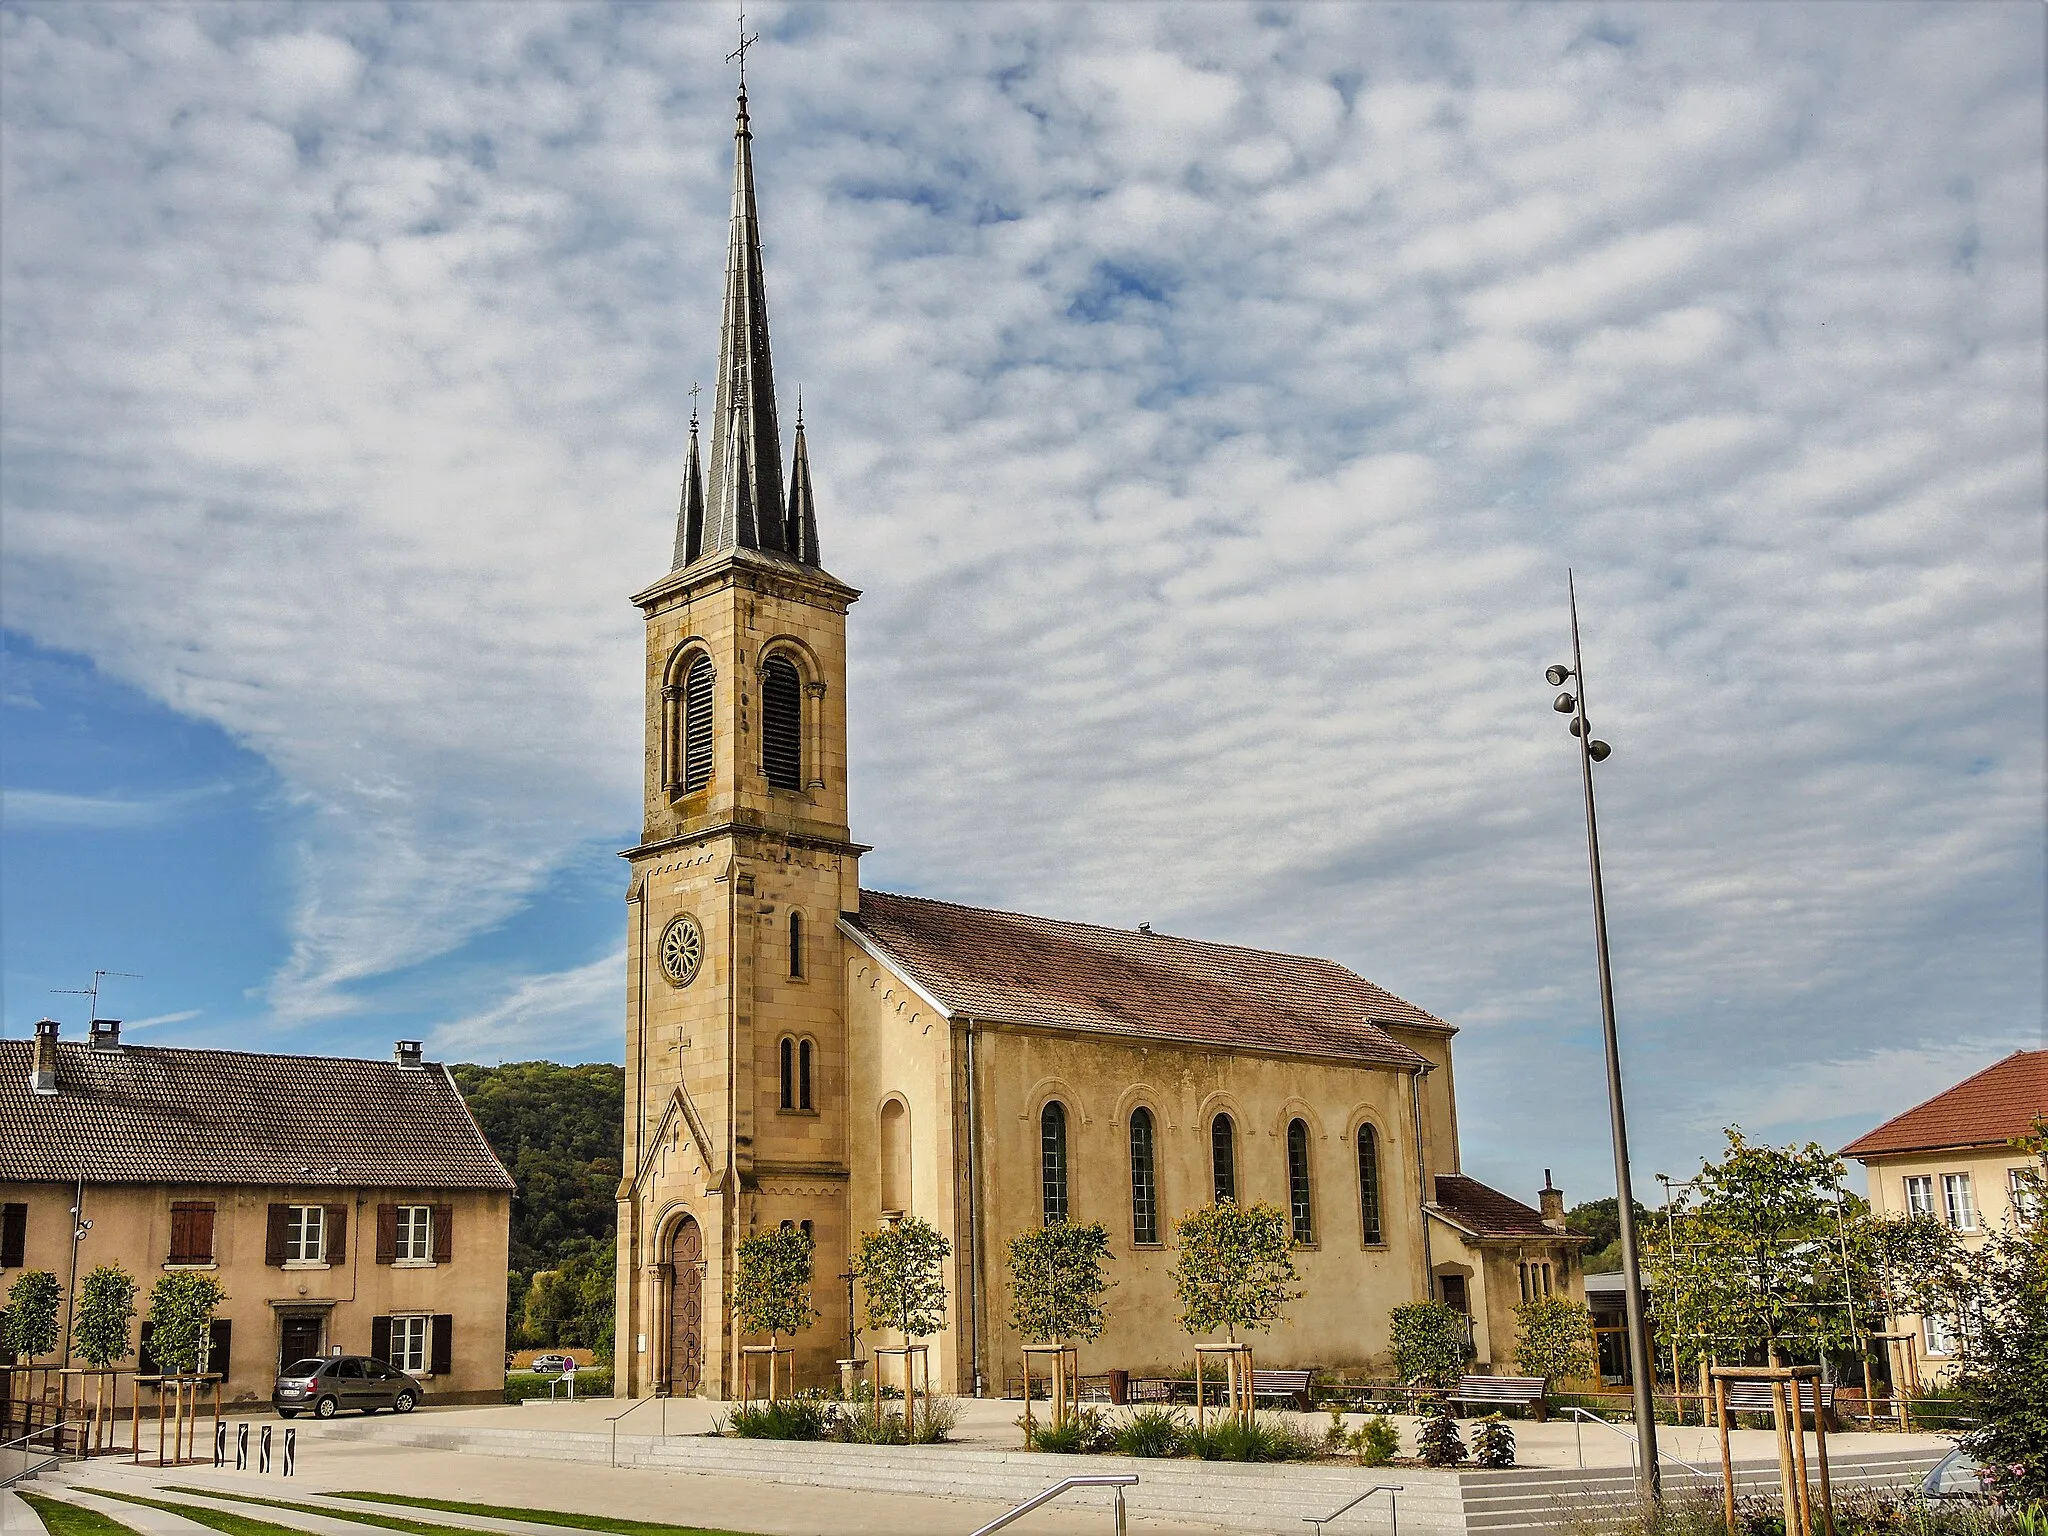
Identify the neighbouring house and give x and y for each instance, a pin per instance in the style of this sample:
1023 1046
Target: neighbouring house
1952 1158
345 1206
802 1052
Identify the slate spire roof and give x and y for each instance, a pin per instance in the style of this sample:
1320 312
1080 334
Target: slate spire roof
744 506
165 1115
690 515
1038 971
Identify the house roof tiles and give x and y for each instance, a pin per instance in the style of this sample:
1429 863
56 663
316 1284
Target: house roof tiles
1986 1109
1017 969
1486 1212
158 1114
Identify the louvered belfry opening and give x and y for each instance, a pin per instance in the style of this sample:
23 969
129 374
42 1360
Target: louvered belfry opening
697 725
782 724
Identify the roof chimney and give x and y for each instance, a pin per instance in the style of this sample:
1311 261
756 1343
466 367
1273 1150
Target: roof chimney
105 1035
1550 1200
43 1072
407 1054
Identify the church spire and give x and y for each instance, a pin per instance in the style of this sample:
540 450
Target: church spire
800 533
746 508
690 515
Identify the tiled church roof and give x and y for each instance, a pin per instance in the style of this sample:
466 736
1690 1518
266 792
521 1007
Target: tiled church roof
157 1114
1994 1106
1486 1212
1036 970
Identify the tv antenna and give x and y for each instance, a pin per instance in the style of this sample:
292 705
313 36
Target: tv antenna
93 991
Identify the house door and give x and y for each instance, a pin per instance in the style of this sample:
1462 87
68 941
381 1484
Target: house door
686 1309
299 1339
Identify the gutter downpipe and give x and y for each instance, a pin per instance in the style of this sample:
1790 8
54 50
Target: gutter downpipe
973 1215
1422 1181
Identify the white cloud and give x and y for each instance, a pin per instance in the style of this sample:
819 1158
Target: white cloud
556 1011
49 810
1208 400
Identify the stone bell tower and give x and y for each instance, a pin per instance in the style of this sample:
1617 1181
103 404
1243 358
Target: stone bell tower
735 1006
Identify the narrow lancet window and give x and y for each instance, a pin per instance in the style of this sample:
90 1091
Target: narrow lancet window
1052 1160
1369 1184
1223 1157
788 1073
1144 1180
1298 1203
803 1075
782 724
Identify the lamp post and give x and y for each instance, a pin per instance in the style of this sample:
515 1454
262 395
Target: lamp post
1642 1364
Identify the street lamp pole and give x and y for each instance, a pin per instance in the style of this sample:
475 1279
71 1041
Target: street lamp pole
1642 1364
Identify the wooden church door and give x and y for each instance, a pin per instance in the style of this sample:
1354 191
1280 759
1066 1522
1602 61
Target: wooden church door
686 1309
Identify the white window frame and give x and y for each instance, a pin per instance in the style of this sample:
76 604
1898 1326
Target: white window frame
412 1343
2024 1198
1920 1194
1938 1336
1958 1203
305 1234
414 1243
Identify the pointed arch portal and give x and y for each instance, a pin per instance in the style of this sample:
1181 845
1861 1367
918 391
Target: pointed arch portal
686 1309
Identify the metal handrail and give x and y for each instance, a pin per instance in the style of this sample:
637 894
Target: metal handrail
56 1452
1583 1415
1118 1480
613 1420
1393 1507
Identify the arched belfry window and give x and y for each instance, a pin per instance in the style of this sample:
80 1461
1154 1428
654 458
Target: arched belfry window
1223 1157
1052 1160
697 690
803 1075
1299 1205
796 945
782 724
788 1073
1144 1180
1369 1183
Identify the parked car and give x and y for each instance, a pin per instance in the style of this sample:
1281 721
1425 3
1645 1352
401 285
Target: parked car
325 1387
1955 1476
549 1363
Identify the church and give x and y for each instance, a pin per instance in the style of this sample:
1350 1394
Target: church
802 1051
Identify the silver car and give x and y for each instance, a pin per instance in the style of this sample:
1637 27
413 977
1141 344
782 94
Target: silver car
325 1387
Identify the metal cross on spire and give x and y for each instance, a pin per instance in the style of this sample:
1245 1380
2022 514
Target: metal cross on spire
739 54
695 391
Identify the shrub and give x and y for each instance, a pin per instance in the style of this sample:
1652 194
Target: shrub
1430 1344
859 1424
31 1318
1439 1442
1083 1432
1377 1442
796 1418
936 1419
589 1383
1251 1439
1151 1432
1493 1443
1554 1339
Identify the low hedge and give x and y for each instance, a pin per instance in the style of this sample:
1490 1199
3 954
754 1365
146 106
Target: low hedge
524 1386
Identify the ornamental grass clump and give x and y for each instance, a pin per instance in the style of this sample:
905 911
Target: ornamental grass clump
1439 1443
1080 1434
1248 1438
1493 1443
795 1418
1150 1432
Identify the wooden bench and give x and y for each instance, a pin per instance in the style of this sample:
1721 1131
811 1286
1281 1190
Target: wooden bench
1289 1384
1499 1391
1755 1396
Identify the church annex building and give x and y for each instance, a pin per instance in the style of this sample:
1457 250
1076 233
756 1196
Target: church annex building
802 1051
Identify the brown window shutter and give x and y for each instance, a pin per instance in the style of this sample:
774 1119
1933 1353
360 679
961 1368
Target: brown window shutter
387 1244
181 1233
443 1344
444 1234
13 1234
380 1335
336 1235
202 1234
273 1237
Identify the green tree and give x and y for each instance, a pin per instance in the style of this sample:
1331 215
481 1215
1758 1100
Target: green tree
181 1308
1432 1344
32 1314
1600 1220
772 1283
571 1305
1233 1268
1056 1281
559 1132
901 1270
1753 1255
106 1310
1554 1338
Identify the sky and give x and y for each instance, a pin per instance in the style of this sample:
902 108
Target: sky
1209 401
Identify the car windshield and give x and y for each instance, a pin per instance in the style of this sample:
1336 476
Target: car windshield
303 1368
